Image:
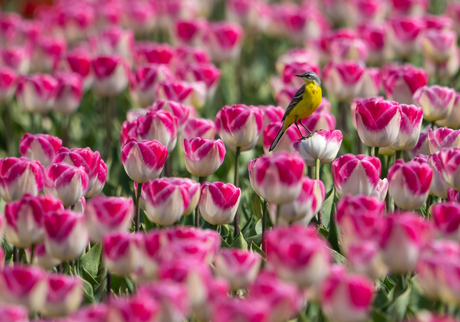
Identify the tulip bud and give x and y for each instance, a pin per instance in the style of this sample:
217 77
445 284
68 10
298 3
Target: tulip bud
219 202
277 178
443 138
446 218
44 52
177 91
344 80
365 259
111 74
438 45
403 33
347 298
450 160
36 93
77 61
23 285
400 82
106 215
8 83
453 195
40 147
165 201
135 309
145 79
235 310
409 184
203 157
69 93
302 258
286 143
24 219
76 20
188 32
202 128
453 120
140 17
43 259
65 234
239 267
438 185
92 313
239 126
16 58
99 182
321 120
160 126
437 102
409 131
381 190
356 175
207 73
403 237
422 146
348 49
66 182
179 111
14 313
65 294
171 296
323 145
115 41
19 176
376 38
223 40
191 235
121 252
305 207
143 160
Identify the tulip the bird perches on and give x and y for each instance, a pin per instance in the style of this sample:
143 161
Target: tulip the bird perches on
305 101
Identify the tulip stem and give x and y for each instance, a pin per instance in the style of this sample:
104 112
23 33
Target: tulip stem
109 285
138 197
317 168
108 130
398 154
197 209
375 151
8 130
235 182
15 254
32 253
344 108
278 210
264 223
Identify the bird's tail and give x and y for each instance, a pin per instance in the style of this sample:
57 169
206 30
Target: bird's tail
277 139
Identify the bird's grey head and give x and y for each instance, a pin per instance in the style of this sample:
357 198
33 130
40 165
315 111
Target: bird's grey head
310 76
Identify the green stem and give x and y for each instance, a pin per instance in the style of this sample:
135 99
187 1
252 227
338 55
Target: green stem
398 154
317 168
197 209
32 253
8 130
429 202
278 210
138 197
108 128
264 223
109 285
15 254
377 151
236 183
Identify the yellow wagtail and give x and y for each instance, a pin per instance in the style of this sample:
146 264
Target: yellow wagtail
305 101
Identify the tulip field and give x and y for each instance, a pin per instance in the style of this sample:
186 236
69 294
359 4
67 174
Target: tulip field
138 179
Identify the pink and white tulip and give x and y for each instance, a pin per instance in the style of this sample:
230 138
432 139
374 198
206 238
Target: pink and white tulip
152 53
65 234
104 215
400 82
16 58
403 34
188 32
23 285
193 190
239 126
77 61
438 185
122 252
179 111
65 295
44 53
277 178
453 120
98 180
143 160
133 309
234 310
207 73
40 147
344 80
320 120
365 259
111 75
139 17
286 143
114 41
8 83
19 176
422 146
223 40
356 175
144 81
202 128
441 138
160 126
409 130
450 160
69 93
24 226
177 91
378 122
203 157
323 145
239 267
409 184
165 201
305 207
36 93
446 218
66 182
347 298
403 237
437 101
219 202
43 259
438 45
14 313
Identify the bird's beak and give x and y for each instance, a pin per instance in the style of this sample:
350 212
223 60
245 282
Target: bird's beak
299 75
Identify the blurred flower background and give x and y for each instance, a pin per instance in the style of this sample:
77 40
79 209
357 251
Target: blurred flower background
137 184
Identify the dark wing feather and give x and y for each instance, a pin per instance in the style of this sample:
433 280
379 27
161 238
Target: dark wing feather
295 100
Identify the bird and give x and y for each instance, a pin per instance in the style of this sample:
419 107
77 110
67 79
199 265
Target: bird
305 101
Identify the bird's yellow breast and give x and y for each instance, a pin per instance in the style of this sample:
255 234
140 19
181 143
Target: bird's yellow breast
310 102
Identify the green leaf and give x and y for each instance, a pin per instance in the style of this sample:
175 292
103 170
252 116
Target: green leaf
239 242
90 261
302 317
87 277
399 305
258 227
88 291
257 239
333 236
326 208
379 316
338 258
257 249
323 231
224 244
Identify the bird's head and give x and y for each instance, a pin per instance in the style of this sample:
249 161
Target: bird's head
310 77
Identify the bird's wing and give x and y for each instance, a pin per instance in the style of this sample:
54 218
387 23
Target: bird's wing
295 100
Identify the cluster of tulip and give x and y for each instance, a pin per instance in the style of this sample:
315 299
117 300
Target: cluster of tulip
366 234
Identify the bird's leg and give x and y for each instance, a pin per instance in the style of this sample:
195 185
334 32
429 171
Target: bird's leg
297 126
306 128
